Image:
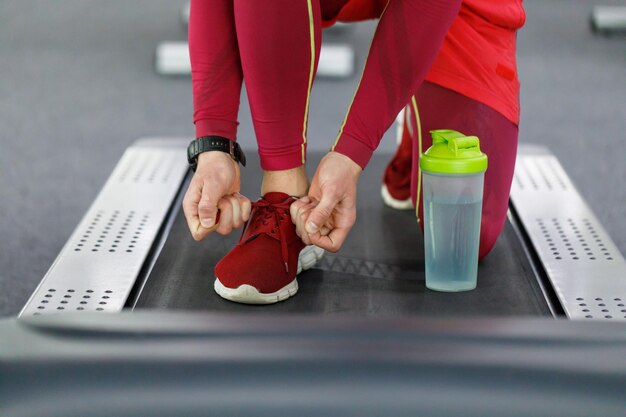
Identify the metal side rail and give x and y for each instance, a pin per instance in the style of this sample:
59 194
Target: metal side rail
98 266
585 268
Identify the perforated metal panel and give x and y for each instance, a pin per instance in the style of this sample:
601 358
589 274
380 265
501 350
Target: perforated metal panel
583 264
98 265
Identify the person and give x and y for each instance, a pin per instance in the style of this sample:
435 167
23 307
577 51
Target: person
274 49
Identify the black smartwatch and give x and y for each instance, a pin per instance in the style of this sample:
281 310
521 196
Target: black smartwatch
214 143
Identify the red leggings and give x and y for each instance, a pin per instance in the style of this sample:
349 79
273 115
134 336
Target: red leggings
436 107
275 45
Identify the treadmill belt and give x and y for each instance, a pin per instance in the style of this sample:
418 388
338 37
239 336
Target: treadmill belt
379 270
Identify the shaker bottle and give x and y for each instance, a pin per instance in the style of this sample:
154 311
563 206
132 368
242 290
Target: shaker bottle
453 171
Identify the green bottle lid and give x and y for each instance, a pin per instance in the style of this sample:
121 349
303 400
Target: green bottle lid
453 153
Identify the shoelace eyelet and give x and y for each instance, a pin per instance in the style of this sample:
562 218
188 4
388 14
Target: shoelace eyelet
265 214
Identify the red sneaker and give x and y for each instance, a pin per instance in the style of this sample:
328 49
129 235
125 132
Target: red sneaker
396 189
262 268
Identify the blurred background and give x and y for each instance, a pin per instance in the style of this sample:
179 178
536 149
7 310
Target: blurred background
78 86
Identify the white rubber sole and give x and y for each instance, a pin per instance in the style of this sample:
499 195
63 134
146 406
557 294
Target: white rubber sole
247 294
394 203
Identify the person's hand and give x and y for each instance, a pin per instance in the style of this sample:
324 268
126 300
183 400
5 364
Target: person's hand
215 186
324 217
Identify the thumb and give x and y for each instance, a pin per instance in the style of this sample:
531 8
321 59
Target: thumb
320 214
207 207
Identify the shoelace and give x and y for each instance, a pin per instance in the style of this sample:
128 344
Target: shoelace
266 217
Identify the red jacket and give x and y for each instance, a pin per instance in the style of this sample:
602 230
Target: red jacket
477 58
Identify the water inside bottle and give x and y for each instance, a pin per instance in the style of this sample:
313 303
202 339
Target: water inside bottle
451 239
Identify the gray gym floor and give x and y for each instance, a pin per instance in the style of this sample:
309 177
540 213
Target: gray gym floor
77 87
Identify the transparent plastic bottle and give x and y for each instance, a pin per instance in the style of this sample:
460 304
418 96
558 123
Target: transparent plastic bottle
453 171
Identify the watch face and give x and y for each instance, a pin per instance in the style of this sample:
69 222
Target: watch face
192 151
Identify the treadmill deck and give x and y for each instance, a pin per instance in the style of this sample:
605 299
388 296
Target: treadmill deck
379 270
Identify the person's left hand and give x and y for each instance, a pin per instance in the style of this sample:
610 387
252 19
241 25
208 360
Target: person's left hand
324 217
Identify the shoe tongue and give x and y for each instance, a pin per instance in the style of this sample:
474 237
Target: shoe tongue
276 197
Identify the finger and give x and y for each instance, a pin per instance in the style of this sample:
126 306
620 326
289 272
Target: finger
301 218
225 223
293 209
200 233
190 209
321 214
234 202
190 204
207 206
324 230
245 205
331 242
302 213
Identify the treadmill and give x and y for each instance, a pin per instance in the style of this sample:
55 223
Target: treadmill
544 332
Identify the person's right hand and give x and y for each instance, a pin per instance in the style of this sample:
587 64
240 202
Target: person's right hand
325 216
215 185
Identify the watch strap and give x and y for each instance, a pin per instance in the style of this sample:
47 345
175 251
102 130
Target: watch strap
214 143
